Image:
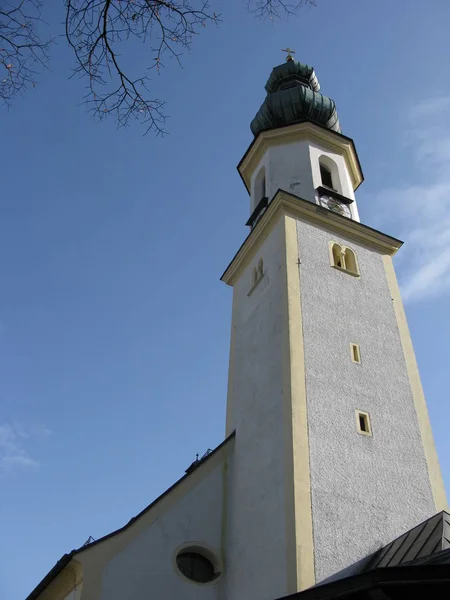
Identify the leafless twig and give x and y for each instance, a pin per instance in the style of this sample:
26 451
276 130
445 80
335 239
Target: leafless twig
104 35
96 28
275 9
22 49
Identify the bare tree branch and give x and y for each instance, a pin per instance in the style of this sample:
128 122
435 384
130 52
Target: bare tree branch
103 35
22 50
96 28
275 9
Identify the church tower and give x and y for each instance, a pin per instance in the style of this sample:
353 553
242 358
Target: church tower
334 454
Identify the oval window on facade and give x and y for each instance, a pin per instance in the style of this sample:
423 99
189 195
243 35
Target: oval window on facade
196 566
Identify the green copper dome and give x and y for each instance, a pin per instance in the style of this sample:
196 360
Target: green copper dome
292 97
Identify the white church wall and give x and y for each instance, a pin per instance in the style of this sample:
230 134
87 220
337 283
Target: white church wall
146 567
366 490
257 545
295 168
289 170
286 167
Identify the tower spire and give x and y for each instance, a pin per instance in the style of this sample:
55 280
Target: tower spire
290 52
293 96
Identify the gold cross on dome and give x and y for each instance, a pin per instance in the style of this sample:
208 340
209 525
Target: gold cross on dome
289 53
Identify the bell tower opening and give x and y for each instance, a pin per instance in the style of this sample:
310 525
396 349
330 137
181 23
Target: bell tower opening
259 187
325 175
329 174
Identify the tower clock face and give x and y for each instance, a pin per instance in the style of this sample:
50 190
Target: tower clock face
335 205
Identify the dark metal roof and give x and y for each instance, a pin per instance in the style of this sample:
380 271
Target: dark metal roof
428 538
414 565
292 97
390 583
60 565
292 69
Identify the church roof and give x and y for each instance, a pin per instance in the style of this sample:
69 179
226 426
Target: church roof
419 545
416 563
388 583
66 558
292 97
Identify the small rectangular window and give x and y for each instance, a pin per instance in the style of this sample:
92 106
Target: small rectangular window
355 353
363 423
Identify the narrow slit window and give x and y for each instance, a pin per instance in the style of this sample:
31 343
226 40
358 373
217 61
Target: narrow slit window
363 423
257 275
254 276
356 354
260 268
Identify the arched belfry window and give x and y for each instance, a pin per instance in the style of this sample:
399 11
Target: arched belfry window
260 186
350 261
329 174
344 258
325 175
336 250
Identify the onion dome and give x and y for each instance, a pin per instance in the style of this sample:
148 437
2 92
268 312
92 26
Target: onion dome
292 97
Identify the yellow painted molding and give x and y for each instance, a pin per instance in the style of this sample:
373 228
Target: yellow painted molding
434 470
299 531
293 133
68 580
284 203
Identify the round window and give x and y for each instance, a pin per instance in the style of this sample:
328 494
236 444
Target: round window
196 566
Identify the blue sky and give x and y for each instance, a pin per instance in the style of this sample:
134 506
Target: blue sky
114 326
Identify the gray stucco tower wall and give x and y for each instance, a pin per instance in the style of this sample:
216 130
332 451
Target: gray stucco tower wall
365 490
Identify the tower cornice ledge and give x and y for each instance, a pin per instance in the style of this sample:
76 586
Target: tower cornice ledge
286 204
294 133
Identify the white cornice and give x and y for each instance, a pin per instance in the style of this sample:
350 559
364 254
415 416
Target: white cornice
285 204
295 133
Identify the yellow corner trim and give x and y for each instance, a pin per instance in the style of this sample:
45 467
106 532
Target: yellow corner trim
434 469
300 542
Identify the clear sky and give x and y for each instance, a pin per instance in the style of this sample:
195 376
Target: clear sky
114 326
